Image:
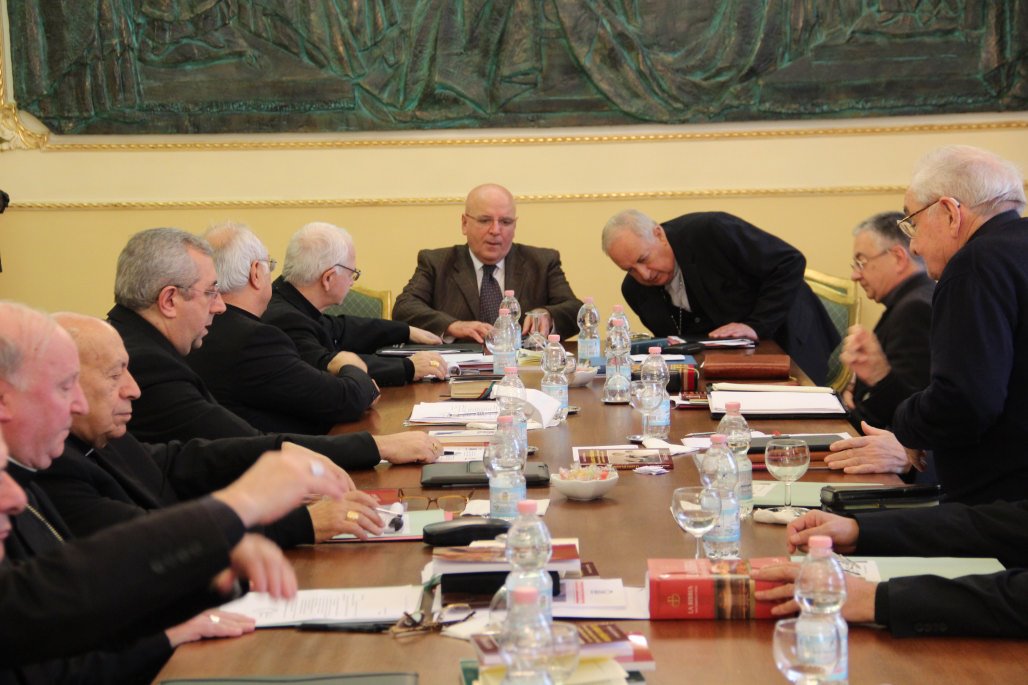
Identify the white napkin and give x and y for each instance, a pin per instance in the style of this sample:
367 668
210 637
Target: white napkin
781 518
676 450
651 470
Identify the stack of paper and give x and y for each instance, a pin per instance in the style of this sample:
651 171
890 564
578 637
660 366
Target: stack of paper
778 403
354 605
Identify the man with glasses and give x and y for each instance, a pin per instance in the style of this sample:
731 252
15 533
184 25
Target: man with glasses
890 275
320 267
253 368
963 213
456 291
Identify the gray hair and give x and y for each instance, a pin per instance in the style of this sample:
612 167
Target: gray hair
235 248
313 250
884 226
151 261
628 220
975 177
24 334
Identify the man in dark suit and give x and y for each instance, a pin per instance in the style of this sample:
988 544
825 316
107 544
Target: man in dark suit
712 274
160 320
993 605
140 578
320 267
451 295
253 368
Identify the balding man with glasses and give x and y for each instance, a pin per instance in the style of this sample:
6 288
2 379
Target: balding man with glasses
964 210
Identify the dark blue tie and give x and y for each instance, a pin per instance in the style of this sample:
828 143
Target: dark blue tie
489 297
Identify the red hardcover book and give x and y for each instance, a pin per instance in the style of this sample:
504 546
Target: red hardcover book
700 588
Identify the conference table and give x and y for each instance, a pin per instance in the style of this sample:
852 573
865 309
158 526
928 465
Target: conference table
618 533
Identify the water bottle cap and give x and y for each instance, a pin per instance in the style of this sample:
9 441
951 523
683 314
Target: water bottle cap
553 337
527 506
654 350
718 439
504 312
505 419
508 293
733 406
510 369
525 595
588 300
819 542
619 322
618 309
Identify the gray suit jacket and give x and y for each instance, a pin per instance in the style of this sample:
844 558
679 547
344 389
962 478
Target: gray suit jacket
444 288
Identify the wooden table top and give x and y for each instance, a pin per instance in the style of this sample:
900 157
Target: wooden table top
619 533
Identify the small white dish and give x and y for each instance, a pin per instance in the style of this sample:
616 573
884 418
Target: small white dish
583 376
584 490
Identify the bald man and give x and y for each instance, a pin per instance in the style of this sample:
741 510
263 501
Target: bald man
445 294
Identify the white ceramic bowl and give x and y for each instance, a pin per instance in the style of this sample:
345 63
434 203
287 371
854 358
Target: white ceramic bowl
582 376
584 489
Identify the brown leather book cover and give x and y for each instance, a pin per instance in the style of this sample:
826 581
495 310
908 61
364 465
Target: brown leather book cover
748 366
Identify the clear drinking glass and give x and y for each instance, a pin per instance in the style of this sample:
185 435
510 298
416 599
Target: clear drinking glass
696 511
535 341
645 397
787 460
807 648
564 653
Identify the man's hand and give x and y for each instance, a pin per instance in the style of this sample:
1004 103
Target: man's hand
281 481
415 447
213 623
847 394
860 594
354 513
463 330
342 359
876 452
843 531
260 561
420 336
540 319
429 364
862 352
734 330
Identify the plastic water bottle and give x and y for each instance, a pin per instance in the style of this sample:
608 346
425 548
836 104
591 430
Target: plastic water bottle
589 334
511 303
718 470
820 590
618 315
619 364
654 368
510 398
504 463
502 339
737 432
555 378
526 640
528 550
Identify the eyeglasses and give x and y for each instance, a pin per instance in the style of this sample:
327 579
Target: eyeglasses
355 274
859 263
486 221
211 294
423 622
907 226
452 503
272 264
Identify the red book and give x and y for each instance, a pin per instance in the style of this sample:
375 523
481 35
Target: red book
701 588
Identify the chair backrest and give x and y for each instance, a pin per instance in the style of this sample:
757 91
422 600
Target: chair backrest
842 302
374 304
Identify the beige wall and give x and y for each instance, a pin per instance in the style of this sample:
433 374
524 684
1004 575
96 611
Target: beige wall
76 200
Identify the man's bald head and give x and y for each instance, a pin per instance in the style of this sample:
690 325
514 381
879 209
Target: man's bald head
489 220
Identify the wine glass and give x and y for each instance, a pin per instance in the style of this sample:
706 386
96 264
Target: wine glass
787 460
807 648
535 341
645 397
696 511
564 651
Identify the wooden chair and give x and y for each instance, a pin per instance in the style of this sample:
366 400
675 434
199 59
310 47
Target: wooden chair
375 304
842 302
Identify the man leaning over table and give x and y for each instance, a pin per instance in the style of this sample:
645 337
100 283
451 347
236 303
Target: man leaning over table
118 590
456 291
320 267
992 605
963 208
253 368
166 289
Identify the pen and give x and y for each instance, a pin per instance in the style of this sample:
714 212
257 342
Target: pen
342 627
698 435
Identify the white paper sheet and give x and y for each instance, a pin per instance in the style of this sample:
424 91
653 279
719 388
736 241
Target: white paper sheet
781 402
350 604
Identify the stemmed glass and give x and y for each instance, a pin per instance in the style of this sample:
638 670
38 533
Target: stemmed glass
696 511
806 649
535 341
787 460
564 651
645 397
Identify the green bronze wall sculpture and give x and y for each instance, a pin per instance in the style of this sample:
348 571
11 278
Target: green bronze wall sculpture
208 66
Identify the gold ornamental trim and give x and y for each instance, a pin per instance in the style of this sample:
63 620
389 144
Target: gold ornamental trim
334 203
